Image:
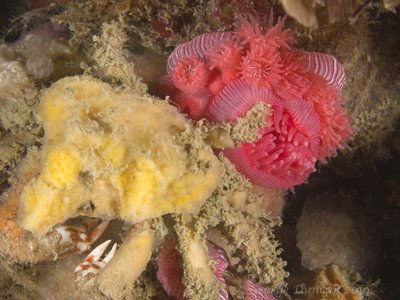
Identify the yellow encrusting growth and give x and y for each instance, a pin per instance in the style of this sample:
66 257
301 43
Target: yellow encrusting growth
62 167
126 267
116 150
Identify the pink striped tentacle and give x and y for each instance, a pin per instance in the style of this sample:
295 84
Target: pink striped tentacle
220 258
255 291
326 66
237 98
198 46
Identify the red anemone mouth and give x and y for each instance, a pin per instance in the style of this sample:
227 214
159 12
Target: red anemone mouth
262 66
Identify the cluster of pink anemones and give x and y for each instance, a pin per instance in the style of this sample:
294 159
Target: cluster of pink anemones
219 76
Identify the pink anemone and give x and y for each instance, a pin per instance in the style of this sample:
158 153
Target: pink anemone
226 57
286 151
194 104
190 74
294 81
216 84
221 264
170 272
249 27
262 67
253 29
219 76
335 125
277 36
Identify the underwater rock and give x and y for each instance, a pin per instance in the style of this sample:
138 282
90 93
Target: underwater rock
329 236
333 283
19 128
43 48
391 4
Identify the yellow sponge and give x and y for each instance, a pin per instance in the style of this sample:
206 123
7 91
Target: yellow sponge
116 150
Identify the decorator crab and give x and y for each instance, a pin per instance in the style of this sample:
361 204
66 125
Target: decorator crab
110 154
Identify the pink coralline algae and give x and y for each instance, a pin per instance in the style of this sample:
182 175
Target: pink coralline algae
219 76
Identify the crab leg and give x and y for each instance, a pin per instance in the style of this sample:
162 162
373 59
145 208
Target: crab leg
93 264
116 275
125 268
80 237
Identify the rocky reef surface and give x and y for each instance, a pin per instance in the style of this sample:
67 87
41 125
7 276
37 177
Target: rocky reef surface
91 151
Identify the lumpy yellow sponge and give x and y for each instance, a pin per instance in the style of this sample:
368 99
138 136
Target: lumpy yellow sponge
115 152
